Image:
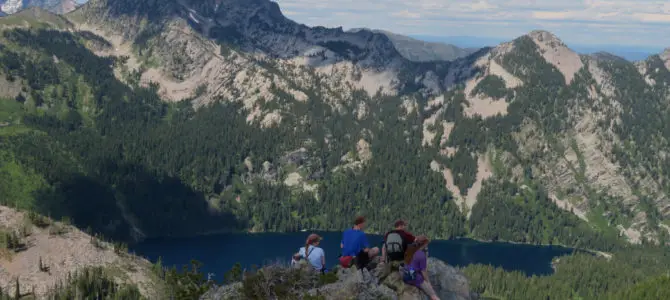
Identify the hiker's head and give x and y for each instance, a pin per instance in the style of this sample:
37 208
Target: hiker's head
359 222
400 224
313 239
422 241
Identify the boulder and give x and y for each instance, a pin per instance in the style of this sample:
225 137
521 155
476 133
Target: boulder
448 282
226 292
354 284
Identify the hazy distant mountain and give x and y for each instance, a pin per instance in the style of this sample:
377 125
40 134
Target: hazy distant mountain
630 53
422 51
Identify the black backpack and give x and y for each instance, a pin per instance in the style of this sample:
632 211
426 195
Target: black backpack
395 246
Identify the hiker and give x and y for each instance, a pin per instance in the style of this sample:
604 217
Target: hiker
394 246
414 269
355 247
312 253
396 242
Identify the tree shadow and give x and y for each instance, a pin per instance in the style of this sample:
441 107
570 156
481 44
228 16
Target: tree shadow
131 203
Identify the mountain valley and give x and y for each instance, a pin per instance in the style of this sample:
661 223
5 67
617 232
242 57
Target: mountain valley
140 119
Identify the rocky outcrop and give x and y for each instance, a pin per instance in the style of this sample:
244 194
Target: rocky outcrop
55 6
448 282
63 250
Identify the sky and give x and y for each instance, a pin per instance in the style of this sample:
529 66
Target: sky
638 23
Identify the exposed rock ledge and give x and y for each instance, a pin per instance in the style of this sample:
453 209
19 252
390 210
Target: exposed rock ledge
448 282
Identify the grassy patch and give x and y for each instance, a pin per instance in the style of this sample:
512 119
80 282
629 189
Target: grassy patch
18 184
581 172
10 111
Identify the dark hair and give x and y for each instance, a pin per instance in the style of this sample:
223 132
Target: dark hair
359 220
399 223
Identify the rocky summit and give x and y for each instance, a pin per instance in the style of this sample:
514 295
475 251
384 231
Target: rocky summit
449 284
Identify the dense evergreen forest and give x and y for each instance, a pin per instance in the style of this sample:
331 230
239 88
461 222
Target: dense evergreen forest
77 133
77 143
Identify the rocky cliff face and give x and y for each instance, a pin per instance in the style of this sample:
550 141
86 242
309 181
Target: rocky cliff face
448 282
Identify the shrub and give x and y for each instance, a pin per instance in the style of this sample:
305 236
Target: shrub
278 282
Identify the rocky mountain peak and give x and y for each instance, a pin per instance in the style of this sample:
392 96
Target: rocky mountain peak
557 53
545 37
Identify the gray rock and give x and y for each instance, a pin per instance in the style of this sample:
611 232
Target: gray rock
297 157
226 292
354 284
448 282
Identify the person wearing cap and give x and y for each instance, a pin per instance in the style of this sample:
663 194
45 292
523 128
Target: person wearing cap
313 253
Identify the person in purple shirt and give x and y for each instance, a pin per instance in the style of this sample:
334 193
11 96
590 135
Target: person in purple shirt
416 259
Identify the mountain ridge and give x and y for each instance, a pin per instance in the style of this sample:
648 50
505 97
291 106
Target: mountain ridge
528 118
422 51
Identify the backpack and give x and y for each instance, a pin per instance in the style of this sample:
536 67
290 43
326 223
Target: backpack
395 246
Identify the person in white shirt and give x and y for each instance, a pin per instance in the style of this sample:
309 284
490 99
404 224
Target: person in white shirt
313 253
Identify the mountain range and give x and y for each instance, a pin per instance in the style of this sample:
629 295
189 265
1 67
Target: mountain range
559 147
135 119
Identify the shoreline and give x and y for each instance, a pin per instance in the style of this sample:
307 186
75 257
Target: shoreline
460 238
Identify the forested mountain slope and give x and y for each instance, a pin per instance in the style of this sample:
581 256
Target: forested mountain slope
225 115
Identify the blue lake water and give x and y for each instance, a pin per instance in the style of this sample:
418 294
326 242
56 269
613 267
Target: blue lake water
219 253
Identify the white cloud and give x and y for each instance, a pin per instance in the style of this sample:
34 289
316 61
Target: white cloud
631 22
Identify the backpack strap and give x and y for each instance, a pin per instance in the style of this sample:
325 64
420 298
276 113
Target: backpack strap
310 252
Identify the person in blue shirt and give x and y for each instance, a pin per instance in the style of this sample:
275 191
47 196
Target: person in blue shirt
355 246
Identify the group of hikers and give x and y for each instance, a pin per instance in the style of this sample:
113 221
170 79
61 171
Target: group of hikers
401 252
